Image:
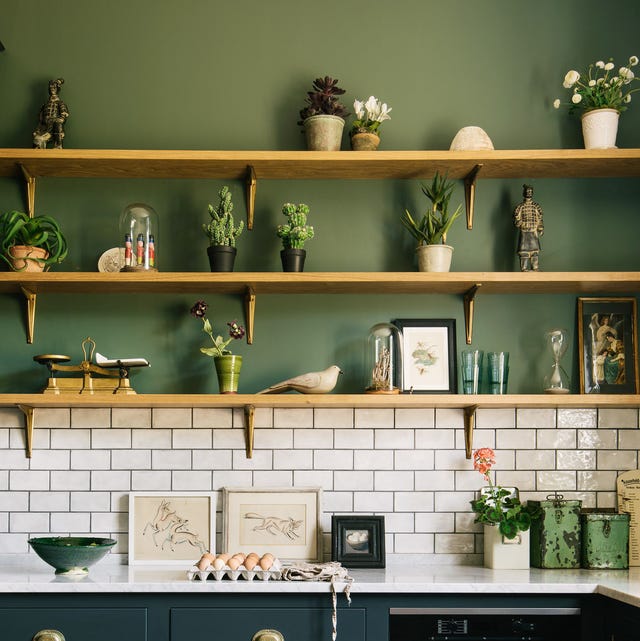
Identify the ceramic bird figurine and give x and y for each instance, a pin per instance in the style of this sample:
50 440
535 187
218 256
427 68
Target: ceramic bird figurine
309 383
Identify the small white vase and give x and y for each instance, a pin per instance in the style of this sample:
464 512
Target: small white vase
505 554
600 128
434 258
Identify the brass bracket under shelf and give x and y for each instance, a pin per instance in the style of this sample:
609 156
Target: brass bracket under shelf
470 193
251 186
469 306
249 416
469 425
250 312
27 410
31 312
31 190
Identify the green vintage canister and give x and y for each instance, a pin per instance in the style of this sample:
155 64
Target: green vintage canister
555 533
605 540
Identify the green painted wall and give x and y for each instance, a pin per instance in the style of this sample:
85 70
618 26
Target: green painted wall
153 74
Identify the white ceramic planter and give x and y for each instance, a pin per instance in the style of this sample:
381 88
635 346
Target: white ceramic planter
505 554
434 258
600 128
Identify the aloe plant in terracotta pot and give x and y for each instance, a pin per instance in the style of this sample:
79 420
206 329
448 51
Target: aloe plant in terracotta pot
31 243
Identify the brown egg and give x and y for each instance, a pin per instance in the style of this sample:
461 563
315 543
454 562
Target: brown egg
224 556
205 561
219 563
238 555
253 555
250 563
233 563
266 561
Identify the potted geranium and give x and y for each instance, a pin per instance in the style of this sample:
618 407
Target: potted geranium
601 93
323 117
294 234
506 521
228 365
31 244
222 232
434 255
364 129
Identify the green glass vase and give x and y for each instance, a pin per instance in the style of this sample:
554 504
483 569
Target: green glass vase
228 370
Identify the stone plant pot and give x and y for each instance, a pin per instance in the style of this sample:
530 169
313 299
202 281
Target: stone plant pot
228 371
505 554
600 128
25 258
434 258
293 259
323 132
221 258
365 141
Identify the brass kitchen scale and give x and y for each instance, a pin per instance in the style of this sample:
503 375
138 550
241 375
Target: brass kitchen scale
105 376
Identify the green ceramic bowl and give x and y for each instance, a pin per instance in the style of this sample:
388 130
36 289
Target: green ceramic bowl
71 554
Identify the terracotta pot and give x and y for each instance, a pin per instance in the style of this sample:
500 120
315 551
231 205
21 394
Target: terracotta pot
28 259
228 371
600 128
434 258
323 132
365 141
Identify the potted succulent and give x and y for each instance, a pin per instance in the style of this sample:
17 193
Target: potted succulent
294 234
222 232
364 129
323 117
431 231
601 94
31 244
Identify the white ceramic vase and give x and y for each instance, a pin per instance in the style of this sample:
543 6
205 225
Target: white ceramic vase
434 258
600 128
505 554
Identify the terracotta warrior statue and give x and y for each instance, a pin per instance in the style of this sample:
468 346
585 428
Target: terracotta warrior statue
53 115
527 217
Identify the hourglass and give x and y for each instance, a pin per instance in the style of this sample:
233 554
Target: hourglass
557 381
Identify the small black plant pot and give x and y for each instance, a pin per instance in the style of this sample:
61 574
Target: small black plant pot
293 259
221 258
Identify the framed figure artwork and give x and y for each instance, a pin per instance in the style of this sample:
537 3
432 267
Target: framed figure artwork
171 528
428 355
284 522
357 541
607 345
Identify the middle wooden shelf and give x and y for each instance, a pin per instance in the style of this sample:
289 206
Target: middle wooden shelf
251 284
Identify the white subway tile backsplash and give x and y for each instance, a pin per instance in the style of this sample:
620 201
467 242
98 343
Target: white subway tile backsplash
407 464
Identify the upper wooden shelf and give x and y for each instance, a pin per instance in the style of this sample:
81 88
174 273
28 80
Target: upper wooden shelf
125 163
321 282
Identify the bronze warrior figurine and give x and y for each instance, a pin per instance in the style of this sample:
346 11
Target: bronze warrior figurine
527 217
53 115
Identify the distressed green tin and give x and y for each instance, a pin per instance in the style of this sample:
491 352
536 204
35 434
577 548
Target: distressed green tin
605 540
555 534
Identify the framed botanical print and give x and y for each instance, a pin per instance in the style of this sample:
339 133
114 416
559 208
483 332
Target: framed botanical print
607 344
428 355
358 541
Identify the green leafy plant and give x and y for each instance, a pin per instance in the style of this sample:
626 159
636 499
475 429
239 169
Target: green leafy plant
432 228
17 228
497 505
222 229
219 348
369 116
296 232
324 100
600 87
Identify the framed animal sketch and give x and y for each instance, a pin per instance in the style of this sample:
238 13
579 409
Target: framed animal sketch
284 522
171 528
607 344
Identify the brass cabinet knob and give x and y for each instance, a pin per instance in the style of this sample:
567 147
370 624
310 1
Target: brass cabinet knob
48 635
267 635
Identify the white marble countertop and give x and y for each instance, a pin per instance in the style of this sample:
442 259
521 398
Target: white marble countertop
31 575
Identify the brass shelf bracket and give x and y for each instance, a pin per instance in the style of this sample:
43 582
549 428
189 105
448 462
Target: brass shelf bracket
31 313
31 190
252 186
470 193
249 416
250 312
27 410
469 307
469 425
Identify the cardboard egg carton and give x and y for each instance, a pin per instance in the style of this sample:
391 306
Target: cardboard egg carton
274 573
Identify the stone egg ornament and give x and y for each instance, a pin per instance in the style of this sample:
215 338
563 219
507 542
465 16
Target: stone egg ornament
471 139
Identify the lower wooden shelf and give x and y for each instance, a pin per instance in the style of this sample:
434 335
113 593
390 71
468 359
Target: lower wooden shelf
27 403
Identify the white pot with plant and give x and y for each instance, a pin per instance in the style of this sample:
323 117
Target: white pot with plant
365 128
434 255
222 232
601 94
322 119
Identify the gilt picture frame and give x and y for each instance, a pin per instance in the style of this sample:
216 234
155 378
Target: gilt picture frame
607 345
171 528
357 541
282 521
428 355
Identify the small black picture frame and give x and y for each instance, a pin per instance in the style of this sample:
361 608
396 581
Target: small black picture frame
358 541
